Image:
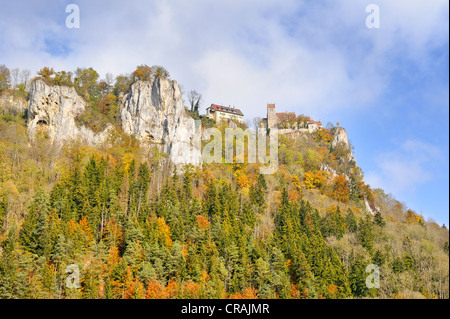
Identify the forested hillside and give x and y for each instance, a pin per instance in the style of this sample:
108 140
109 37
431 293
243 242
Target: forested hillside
137 227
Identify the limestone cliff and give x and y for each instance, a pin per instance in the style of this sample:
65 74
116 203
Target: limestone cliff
154 113
11 104
341 139
52 110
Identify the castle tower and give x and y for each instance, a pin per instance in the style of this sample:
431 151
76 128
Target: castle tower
271 116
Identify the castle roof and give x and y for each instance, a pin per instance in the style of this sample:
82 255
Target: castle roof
285 115
226 109
314 122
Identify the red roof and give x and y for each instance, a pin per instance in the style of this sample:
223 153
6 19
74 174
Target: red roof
271 106
226 109
285 116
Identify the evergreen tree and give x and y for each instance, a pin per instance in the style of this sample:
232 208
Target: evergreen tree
379 220
34 225
351 222
366 234
358 277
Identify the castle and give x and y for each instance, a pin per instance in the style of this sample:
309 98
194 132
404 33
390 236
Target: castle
287 121
219 113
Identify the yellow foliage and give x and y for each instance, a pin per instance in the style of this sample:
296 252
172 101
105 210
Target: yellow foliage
127 159
243 181
249 293
164 231
296 181
202 222
413 218
113 257
317 179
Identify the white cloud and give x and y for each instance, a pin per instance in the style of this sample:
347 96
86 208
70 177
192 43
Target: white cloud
404 170
304 56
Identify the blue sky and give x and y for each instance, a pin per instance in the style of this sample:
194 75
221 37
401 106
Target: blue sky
388 87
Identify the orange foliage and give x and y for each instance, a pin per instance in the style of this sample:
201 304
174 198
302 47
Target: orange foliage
249 293
85 229
191 290
322 151
135 290
288 263
202 222
332 289
205 276
341 191
188 290
243 181
172 289
155 290
295 293
315 179
413 218
293 195
113 257
185 250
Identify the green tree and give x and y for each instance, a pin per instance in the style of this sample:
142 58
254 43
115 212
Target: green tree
35 223
333 223
142 73
5 78
366 234
351 222
121 85
160 71
358 277
46 74
63 78
86 83
379 220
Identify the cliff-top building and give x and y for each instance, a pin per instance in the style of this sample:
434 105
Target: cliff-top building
287 120
219 113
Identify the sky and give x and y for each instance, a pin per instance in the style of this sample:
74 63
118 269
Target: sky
387 86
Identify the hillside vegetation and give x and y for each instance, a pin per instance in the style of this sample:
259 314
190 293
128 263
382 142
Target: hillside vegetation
137 228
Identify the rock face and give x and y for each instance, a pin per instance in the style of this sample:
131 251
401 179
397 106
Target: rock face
52 110
154 113
341 138
12 105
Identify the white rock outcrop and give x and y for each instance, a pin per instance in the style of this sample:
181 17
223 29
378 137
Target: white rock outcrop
154 113
52 110
11 104
341 139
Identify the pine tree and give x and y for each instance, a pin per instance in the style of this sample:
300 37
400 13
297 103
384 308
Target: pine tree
35 223
358 277
366 234
351 222
379 220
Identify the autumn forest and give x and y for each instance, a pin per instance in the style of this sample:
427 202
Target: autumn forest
136 226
